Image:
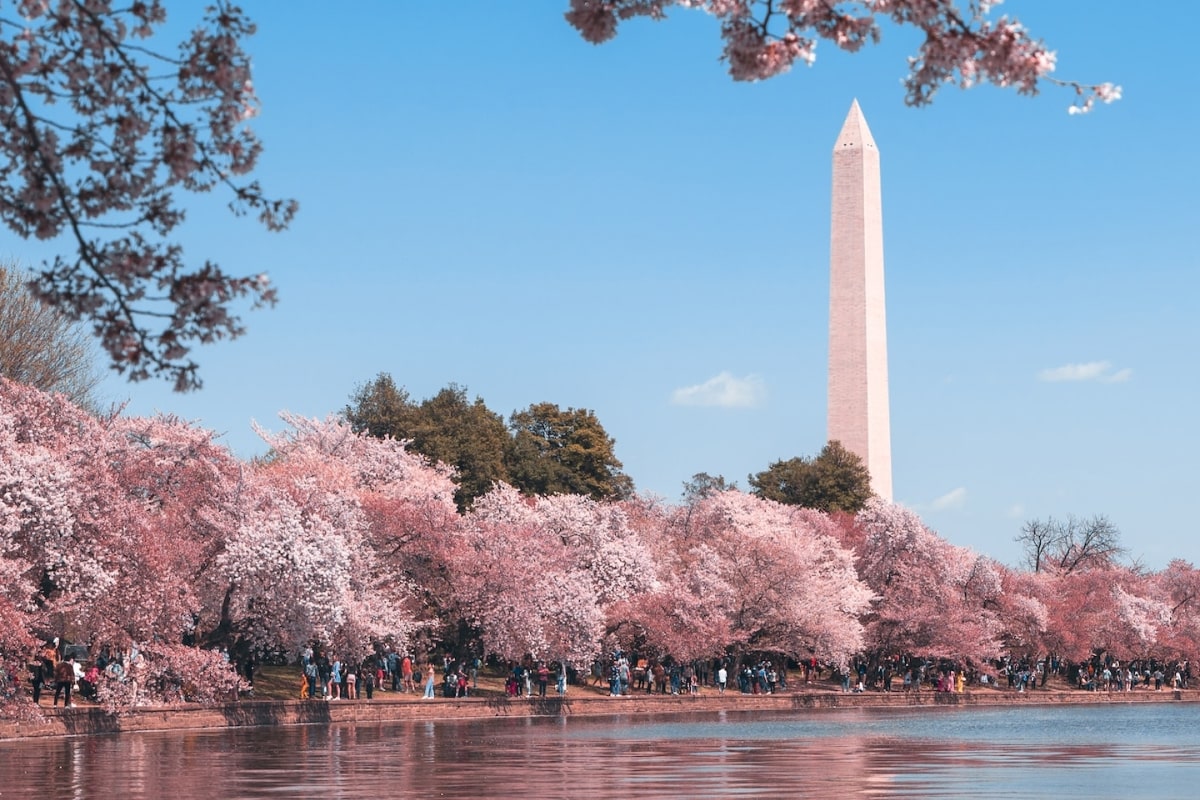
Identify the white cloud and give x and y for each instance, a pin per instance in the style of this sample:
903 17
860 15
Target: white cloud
1016 511
723 390
1101 371
955 498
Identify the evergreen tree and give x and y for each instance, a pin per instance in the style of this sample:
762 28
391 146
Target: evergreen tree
564 452
836 480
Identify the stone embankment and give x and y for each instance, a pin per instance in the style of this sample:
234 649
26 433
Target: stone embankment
578 702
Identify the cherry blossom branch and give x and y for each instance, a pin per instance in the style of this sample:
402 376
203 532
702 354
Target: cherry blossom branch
764 38
110 160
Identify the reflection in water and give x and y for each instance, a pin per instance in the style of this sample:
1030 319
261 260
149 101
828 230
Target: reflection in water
1093 752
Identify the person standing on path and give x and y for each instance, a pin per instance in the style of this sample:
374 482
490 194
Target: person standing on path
429 676
543 678
367 671
334 689
406 675
310 677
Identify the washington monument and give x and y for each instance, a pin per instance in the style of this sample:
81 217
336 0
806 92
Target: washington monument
858 374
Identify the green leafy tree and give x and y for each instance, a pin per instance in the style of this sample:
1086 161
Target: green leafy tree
543 450
381 409
564 452
836 480
467 434
447 427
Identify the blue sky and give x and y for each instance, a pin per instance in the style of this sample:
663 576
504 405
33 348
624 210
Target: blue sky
488 200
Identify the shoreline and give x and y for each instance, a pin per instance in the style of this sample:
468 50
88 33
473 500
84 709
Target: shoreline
583 701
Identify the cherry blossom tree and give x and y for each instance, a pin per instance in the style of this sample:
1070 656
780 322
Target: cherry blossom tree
963 45
595 535
100 131
1024 612
1095 611
102 532
31 486
319 552
1124 612
934 599
743 574
1142 621
62 509
523 595
189 489
538 575
1178 587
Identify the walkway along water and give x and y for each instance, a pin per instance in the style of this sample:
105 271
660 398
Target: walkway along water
250 713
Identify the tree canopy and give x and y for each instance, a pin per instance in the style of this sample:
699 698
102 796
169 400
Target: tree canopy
543 450
836 480
41 347
564 452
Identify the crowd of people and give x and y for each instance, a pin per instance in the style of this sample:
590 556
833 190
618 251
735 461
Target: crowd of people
58 668
327 676
627 674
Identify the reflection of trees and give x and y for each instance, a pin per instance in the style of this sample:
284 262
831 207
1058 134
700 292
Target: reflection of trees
837 754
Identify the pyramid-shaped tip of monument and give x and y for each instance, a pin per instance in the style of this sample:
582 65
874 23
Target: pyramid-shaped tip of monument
855 133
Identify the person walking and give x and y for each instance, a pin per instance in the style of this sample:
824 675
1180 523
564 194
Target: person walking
64 677
38 675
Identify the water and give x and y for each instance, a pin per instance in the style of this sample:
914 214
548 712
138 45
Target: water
1109 751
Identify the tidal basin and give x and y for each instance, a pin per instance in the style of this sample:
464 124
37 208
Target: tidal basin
1077 751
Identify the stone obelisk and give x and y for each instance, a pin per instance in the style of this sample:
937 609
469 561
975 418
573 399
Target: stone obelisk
858 374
